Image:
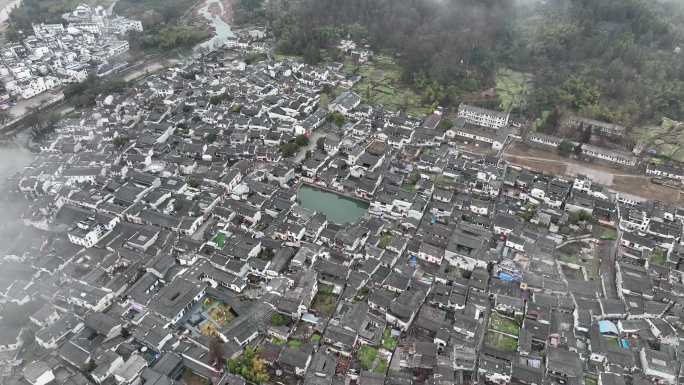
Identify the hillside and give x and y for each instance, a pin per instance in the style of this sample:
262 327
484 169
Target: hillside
615 60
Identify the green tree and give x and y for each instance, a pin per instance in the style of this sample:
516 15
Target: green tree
302 140
565 147
288 149
193 182
339 119
216 99
415 177
121 140
266 254
249 366
578 93
277 319
320 144
528 212
308 154
551 122
311 54
177 205
445 124
211 137
469 84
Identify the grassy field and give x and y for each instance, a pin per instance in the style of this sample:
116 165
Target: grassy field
658 257
381 367
384 241
503 325
501 341
381 84
366 354
324 301
567 258
513 88
573 273
665 139
191 378
608 234
388 342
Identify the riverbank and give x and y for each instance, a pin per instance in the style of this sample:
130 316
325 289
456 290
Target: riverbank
217 14
5 7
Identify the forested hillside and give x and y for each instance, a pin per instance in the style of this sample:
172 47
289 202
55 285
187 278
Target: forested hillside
616 60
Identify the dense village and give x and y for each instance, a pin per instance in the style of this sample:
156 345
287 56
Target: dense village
166 242
55 55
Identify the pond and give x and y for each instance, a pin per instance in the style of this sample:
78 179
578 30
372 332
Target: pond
337 208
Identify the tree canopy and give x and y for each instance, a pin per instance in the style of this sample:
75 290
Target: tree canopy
614 60
249 366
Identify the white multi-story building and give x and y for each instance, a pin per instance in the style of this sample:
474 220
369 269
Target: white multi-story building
76 71
483 117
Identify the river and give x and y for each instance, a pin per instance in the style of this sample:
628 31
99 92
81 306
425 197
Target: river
221 28
337 208
15 155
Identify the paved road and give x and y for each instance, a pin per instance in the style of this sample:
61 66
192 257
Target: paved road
198 235
23 105
312 144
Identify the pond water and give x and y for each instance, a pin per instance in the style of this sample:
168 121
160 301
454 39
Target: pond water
337 208
221 28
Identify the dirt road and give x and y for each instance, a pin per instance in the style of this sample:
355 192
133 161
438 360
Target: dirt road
551 163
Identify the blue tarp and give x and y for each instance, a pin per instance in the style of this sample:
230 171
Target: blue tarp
608 327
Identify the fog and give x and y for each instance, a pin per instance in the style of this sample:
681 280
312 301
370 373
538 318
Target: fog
12 160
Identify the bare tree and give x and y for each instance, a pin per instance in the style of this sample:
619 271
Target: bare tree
216 358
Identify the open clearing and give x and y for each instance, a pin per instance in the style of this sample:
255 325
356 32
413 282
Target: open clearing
666 139
551 163
208 329
503 325
191 378
381 84
501 341
222 314
513 88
